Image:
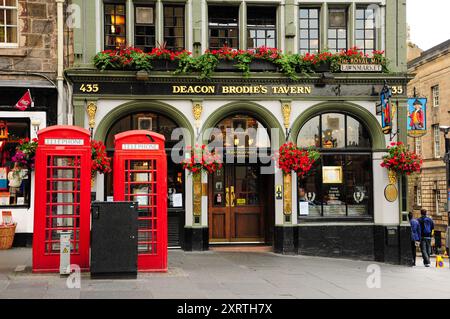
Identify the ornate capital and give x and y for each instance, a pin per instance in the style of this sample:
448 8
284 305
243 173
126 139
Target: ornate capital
91 110
286 110
197 110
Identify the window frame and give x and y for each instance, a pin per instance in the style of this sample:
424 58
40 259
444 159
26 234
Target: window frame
345 153
435 95
173 6
237 27
364 29
106 25
26 120
336 39
436 141
3 9
262 27
136 25
309 29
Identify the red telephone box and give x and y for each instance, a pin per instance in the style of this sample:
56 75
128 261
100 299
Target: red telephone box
62 196
140 175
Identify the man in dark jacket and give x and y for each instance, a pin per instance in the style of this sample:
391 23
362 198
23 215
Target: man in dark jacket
415 236
426 229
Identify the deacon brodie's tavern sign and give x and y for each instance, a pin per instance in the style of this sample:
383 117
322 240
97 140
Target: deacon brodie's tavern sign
254 87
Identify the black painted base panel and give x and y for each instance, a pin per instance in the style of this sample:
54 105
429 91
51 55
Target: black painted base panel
359 242
23 240
196 239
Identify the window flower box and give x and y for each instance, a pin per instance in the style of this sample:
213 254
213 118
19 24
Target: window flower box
226 66
164 65
262 65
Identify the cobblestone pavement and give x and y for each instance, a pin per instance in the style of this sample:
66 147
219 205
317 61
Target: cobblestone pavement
234 275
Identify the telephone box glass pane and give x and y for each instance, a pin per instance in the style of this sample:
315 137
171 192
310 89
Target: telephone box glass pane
140 187
63 200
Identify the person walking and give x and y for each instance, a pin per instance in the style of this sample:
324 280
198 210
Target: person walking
415 236
426 230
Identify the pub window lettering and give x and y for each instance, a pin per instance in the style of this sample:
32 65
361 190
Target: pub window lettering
8 22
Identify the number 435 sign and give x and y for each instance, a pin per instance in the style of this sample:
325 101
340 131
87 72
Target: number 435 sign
89 88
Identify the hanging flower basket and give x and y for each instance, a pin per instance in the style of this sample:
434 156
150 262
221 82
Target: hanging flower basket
292 158
202 159
100 163
401 161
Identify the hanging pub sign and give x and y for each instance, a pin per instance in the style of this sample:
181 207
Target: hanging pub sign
417 117
386 109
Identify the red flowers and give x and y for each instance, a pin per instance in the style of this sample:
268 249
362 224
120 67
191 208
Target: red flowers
292 158
202 159
100 162
26 152
402 161
165 54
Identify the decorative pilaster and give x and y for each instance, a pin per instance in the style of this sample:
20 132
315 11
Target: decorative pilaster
197 200
91 110
197 110
286 110
287 207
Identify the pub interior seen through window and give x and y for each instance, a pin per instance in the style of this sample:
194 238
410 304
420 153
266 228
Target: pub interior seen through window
340 183
160 124
14 178
223 27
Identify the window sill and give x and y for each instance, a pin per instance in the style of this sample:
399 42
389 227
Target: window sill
306 220
13 51
15 207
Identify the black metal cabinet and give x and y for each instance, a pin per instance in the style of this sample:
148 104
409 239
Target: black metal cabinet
114 237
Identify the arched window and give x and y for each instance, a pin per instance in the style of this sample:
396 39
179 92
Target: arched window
241 131
340 183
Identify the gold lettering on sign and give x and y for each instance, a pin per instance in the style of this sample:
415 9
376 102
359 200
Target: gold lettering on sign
241 89
184 89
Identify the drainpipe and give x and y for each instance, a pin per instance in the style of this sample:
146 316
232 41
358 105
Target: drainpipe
60 71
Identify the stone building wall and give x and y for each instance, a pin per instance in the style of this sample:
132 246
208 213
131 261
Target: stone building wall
37 37
431 68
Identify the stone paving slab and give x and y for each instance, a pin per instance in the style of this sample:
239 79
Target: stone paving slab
231 275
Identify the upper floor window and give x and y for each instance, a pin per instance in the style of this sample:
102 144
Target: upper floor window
144 27
436 141
435 95
418 145
309 30
365 31
337 29
174 27
261 27
8 22
223 26
115 25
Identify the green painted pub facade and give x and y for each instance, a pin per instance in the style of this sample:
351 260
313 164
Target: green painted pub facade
250 201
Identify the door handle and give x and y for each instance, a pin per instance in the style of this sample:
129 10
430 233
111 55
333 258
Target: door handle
232 197
227 197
